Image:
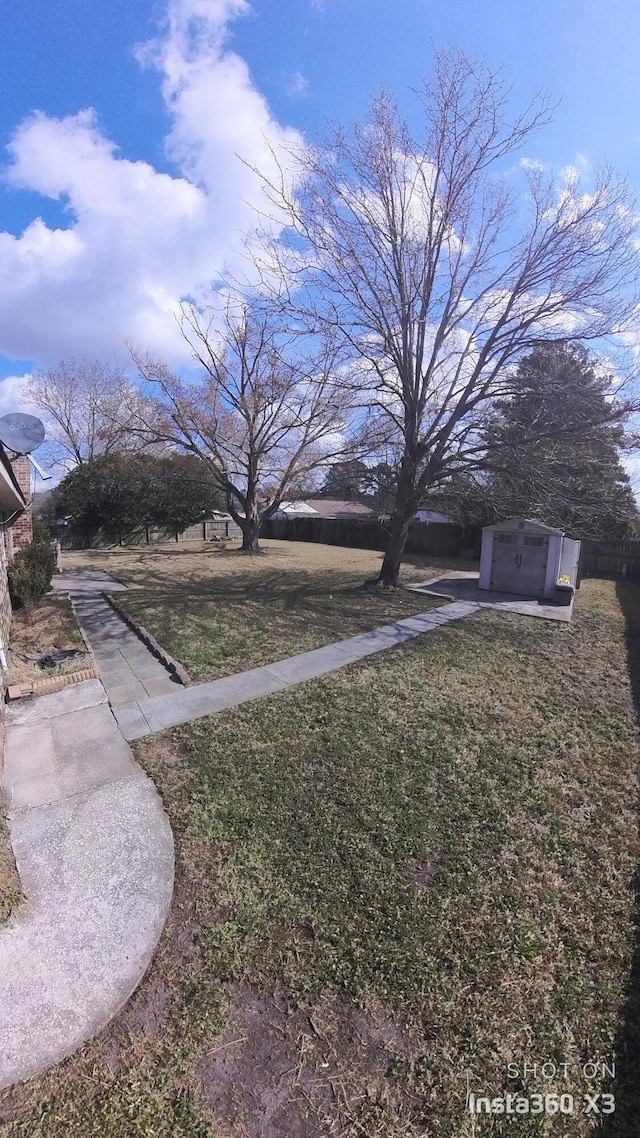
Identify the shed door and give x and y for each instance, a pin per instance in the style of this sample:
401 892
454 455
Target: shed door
519 563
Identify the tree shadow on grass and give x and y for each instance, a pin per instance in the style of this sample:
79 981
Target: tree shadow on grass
319 598
625 1087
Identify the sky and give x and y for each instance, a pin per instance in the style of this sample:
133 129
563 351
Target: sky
123 127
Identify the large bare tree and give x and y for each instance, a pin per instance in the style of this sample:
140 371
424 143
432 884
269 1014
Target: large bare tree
439 259
81 401
265 413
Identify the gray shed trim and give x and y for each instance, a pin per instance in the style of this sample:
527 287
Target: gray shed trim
523 524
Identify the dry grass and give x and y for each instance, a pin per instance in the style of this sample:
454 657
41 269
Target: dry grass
46 625
10 889
392 882
198 562
218 611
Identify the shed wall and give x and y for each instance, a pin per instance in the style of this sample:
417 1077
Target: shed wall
553 554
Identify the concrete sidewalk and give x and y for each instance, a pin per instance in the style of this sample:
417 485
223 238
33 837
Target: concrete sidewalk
143 716
463 586
128 670
94 851
144 696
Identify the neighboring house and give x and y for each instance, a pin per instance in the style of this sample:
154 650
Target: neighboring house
294 510
324 508
432 517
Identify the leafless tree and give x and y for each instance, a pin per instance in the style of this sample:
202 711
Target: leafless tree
82 402
264 415
439 263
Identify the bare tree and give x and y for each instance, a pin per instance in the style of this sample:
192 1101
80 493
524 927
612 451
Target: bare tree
437 271
265 414
82 404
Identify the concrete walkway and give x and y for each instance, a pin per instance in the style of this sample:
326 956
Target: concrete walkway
464 586
128 670
146 699
144 716
94 851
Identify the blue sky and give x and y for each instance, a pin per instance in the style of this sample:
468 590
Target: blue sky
121 188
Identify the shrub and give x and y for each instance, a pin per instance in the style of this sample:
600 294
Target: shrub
31 571
41 531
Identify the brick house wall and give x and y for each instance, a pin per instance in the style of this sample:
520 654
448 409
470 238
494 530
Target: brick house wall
14 535
6 552
22 527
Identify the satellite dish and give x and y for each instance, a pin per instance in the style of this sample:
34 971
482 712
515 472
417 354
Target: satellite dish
20 432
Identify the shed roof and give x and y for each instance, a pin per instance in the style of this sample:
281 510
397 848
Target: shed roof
523 524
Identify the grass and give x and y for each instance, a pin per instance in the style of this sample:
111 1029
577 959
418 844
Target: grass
218 611
10 889
47 624
392 882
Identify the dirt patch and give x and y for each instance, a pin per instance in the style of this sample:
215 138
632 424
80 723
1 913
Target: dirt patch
42 629
421 873
280 1072
163 750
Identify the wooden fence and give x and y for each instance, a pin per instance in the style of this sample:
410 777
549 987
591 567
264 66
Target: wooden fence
616 558
440 540
76 537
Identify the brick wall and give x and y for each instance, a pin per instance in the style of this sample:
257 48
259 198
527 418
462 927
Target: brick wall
6 552
13 536
22 528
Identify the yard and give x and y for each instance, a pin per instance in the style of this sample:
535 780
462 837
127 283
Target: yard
218 611
392 882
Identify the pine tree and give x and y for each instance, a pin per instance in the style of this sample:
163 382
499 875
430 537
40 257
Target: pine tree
554 449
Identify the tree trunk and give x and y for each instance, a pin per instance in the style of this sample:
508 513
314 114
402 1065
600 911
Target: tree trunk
403 514
393 557
250 531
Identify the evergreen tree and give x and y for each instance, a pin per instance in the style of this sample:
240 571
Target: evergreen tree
345 481
554 449
123 492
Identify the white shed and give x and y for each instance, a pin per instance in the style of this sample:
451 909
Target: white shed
529 558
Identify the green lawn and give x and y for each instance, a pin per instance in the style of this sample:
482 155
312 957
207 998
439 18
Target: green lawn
392 882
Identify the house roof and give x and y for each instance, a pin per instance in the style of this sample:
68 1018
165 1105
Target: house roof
11 497
296 508
331 508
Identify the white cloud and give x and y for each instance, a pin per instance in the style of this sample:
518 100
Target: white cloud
137 239
299 84
11 398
